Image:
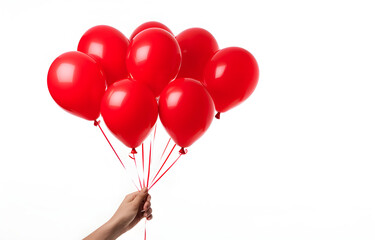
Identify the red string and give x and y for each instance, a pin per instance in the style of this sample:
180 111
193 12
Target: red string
149 164
143 165
97 123
155 130
165 148
149 159
136 168
163 163
145 228
165 171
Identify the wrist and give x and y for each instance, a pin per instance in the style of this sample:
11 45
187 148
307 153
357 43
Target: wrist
113 228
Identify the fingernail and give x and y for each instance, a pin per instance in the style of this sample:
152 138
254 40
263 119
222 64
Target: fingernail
144 189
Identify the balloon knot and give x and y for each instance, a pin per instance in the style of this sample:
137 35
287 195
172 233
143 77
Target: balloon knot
217 115
182 151
133 151
96 123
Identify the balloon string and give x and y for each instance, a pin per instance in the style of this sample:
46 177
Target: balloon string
143 165
165 148
156 124
149 163
145 229
97 123
136 168
163 163
165 171
152 143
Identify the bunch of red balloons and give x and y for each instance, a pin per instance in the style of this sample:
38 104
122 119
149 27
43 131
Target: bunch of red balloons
182 78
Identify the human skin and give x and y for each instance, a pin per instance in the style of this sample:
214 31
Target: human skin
133 208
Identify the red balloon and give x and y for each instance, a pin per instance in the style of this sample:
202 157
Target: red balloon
129 110
108 47
231 77
148 25
154 58
186 110
76 83
197 47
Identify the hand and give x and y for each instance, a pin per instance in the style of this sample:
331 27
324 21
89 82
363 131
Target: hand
133 208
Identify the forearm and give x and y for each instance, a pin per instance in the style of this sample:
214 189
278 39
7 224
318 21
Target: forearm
108 231
133 208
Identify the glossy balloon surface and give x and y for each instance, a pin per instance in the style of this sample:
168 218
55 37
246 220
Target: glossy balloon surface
129 110
147 25
197 47
154 58
109 48
76 83
186 110
231 77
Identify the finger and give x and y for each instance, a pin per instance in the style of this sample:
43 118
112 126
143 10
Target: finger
149 198
149 217
130 197
140 196
146 206
147 213
145 210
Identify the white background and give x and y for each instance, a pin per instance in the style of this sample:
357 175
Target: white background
295 161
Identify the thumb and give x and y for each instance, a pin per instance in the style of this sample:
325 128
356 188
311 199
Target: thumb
141 196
